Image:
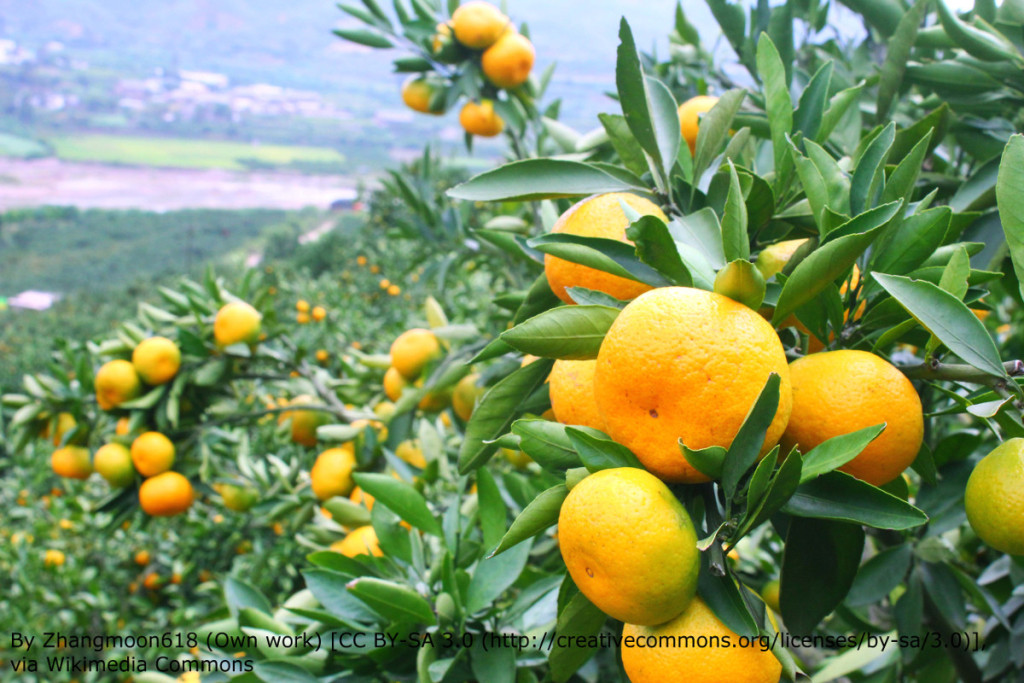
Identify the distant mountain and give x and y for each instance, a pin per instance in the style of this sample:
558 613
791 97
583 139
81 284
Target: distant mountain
288 42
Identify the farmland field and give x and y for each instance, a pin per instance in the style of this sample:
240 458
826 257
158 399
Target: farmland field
182 153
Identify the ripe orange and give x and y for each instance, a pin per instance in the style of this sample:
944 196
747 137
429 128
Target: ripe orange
71 462
302 306
332 472
360 541
236 322
479 118
995 498
410 452
122 426
686 363
700 652
774 257
322 356
116 382
142 558
360 497
412 350
394 290
838 392
478 24
418 93
508 62
304 423
465 395
319 313
166 494
152 453
434 401
629 545
572 393
690 112
597 216
394 383
302 318
113 462
157 360
65 423
53 558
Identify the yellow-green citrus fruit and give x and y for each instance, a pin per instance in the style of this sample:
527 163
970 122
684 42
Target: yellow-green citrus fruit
71 462
113 462
995 498
332 472
774 257
116 382
508 62
360 541
479 118
412 350
629 545
464 397
418 94
478 24
157 360
683 363
236 322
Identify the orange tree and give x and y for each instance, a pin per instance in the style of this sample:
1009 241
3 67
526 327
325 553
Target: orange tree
792 370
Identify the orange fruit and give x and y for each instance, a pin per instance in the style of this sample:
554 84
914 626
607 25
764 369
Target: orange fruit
412 350
152 453
360 541
122 426
152 581
304 423
142 558
319 313
166 494
518 459
597 216
302 306
465 395
629 545
332 472
53 558
302 318
995 498
322 356
418 93
508 62
686 363
360 497
478 24
116 382
770 594
774 257
394 383
690 112
237 498
572 393
157 360
113 462
434 401
394 290
71 462
236 322
839 392
650 658
410 452
479 118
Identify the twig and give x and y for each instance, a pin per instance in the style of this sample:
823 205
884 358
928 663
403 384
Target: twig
936 370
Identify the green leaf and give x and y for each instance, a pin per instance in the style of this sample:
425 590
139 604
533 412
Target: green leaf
830 260
656 248
839 496
811 108
713 129
838 106
914 241
837 451
600 453
579 618
648 106
328 587
363 37
592 297
723 598
732 20
1010 200
532 179
837 183
781 489
630 153
750 437
976 42
401 498
492 508
541 513
493 664
741 281
708 461
814 186
277 670
493 575
392 600
880 575
570 332
346 513
600 253
239 594
778 103
947 318
897 54
735 241
936 121
701 232
496 411
819 564
547 443
869 176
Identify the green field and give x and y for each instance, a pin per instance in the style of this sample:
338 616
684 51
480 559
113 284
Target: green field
184 153
17 146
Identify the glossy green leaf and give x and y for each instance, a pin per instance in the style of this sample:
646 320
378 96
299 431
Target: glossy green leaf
578 618
869 177
819 564
722 595
533 179
541 513
1010 200
896 56
363 37
599 453
708 461
570 332
750 437
494 575
714 128
392 600
811 107
630 153
608 255
778 103
656 248
330 590
947 318
839 496
547 443
735 241
880 575
837 451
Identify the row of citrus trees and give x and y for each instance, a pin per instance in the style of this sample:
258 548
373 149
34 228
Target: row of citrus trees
751 379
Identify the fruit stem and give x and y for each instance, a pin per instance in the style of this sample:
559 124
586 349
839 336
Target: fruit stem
934 369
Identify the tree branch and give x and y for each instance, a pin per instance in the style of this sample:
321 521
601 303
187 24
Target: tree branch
936 370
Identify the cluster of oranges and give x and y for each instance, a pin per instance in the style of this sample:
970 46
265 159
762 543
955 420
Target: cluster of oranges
685 366
305 314
482 34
